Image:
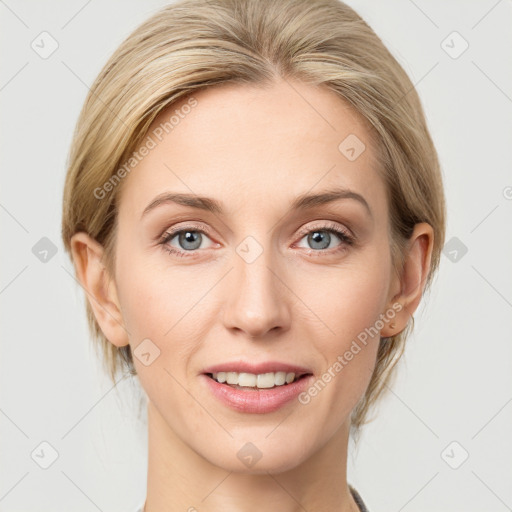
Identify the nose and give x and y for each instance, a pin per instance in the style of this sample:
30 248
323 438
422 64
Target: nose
257 297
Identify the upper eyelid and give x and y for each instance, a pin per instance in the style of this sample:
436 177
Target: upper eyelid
187 227
191 226
328 225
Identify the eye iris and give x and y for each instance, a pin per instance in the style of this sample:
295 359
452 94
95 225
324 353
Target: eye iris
186 237
317 237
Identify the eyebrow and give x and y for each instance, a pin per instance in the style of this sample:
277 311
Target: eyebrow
302 202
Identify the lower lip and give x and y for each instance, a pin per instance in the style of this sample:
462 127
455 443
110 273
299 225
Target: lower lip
257 401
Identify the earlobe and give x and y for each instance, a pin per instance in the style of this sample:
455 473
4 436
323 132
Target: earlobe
99 287
413 278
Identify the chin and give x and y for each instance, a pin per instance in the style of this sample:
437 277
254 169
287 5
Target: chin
260 457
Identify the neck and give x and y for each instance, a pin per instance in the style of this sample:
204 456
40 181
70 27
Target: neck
180 479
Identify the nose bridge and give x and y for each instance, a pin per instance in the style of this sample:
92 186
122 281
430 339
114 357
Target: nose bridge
257 302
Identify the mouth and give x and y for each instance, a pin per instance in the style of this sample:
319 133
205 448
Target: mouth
260 381
261 391
256 387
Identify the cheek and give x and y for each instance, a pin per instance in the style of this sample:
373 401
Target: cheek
158 300
158 303
351 305
347 299
155 309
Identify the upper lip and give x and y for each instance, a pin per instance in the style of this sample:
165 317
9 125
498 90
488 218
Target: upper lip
265 367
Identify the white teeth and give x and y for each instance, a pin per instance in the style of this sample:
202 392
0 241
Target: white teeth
247 379
280 378
250 380
266 380
232 378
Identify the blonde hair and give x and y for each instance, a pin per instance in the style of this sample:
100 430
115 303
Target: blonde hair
194 44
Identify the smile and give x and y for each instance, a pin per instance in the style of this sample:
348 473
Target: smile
255 381
256 388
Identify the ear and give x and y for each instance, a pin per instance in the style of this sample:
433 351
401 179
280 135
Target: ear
99 287
411 282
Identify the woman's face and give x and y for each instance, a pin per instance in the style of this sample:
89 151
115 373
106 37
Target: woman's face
248 277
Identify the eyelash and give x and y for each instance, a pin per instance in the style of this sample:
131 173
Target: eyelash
346 239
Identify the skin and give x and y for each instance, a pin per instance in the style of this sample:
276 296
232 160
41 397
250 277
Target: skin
255 150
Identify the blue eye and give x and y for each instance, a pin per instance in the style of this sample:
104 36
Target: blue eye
189 240
189 237
321 238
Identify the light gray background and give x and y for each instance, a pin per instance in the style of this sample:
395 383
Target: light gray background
454 383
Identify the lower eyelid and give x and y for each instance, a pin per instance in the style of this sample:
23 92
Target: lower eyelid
167 237
345 239
345 242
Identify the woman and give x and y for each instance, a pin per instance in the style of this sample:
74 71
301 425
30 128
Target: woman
255 208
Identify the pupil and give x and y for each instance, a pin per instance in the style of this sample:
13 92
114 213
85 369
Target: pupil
317 237
190 237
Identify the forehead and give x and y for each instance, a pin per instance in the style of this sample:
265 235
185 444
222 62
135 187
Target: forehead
256 145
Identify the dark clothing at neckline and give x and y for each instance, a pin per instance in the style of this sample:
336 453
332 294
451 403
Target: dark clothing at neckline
358 499
355 494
